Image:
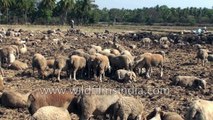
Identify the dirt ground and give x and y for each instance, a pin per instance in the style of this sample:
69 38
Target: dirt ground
179 61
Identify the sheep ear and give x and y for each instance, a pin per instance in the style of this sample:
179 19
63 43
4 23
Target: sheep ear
31 98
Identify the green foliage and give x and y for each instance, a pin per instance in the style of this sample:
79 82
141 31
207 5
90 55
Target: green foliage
85 11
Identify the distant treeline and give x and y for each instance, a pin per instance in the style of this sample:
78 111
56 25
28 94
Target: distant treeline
86 12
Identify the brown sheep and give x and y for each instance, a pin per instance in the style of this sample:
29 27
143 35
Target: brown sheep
97 101
202 54
1 83
7 55
40 98
200 110
103 65
50 63
18 65
61 63
14 99
39 62
128 108
51 113
77 63
149 61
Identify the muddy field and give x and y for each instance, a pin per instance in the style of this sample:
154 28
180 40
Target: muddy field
180 60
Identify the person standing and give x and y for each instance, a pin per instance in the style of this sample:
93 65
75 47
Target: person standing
72 24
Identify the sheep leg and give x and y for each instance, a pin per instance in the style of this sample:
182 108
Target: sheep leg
161 72
70 74
59 74
100 78
147 72
74 74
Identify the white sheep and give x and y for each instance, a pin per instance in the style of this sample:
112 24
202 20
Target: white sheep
51 113
61 63
189 81
200 110
125 75
23 49
202 54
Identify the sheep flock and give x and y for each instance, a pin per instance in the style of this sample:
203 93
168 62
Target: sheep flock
73 74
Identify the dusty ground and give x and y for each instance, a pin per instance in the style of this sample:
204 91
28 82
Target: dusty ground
179 60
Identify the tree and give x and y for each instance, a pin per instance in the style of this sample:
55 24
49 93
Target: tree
5 5
46 9
25 7
63 7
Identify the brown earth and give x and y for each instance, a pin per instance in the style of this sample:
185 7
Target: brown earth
179 60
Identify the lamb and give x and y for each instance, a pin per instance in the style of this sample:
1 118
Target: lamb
39 62
103 65
77 63
96 102
125 75
61 63
200 110
202 54
23 50
1 83
189 81
18 65
149 61
128 108
40 98
14 99
51 113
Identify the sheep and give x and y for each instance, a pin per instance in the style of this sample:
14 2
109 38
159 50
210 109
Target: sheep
149 61
202 54
189 81
50 63
119 62
170 116
128 108
61 63
39 62
200 110
1 83
115 52
126 76
14 99
146 42
210 58
16 50
96 101
40 98
97 48
103 65
51 113
23 50
18 65
157 114
77 63
7 55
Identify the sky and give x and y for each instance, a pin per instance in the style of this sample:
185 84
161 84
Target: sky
132 4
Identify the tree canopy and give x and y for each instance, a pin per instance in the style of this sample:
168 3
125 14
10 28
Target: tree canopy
87 12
